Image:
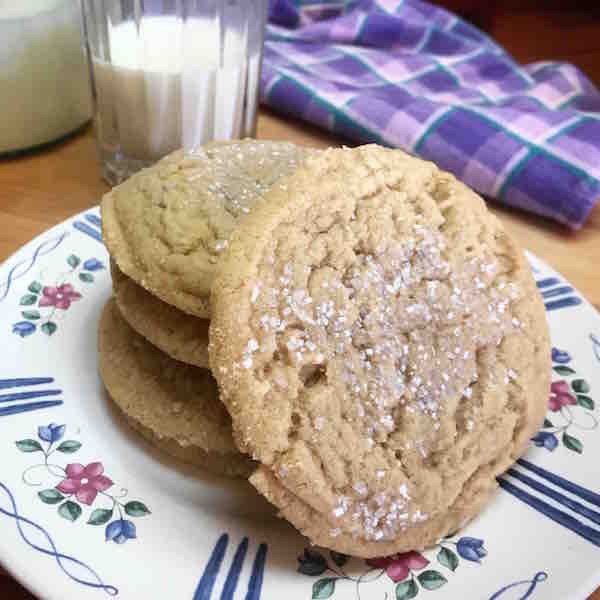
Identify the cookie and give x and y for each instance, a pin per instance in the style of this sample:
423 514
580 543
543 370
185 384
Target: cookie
174 406
381 347
166 226
181 336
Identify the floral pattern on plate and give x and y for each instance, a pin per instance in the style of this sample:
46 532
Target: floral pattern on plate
40 303
79 485
408 571
570 407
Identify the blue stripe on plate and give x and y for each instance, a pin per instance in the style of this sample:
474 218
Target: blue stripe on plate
85 228
234 571
258 569
93 219
542 283
563 303
595 345
24 381
565 484
558 291
558 516
28 407
28 395
575 506
207 581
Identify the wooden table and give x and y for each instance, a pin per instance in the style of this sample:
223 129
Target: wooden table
42 189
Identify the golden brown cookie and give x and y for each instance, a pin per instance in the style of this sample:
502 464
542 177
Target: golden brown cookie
178 334
166 226
175 406
380 344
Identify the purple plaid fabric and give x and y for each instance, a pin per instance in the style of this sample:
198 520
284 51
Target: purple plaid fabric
408 74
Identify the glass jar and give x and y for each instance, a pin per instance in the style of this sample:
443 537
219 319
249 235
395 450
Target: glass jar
44 78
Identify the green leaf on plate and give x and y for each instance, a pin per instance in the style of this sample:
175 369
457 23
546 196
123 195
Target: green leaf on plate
100 516
585 401
69 510
431 580
73 261
580 386
32 315
49 327
563 370
28 300
448 559
136 509
547 424
338 558
69 446
572 443
323 588
51 496
407 590
86 277
29 446
35 287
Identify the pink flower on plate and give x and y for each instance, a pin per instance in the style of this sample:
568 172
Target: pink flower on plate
84 482
60 297
560 395
399 566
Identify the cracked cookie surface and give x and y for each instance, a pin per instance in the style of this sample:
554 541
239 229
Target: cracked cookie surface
178 334
166 226
173 405
380 344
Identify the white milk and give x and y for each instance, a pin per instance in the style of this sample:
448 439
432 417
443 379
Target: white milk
169 86
44 83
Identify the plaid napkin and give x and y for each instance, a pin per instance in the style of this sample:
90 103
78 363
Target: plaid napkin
412 75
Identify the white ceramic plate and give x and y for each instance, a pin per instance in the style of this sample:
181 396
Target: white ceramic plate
89 510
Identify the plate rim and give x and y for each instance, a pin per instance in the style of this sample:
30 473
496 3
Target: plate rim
36 586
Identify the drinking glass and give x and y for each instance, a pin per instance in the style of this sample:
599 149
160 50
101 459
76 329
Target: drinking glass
168 74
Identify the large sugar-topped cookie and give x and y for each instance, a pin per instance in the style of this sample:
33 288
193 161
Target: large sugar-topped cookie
181 335
380 344
166 226
175 406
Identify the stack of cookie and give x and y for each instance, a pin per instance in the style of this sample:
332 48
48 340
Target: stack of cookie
376 336
165 229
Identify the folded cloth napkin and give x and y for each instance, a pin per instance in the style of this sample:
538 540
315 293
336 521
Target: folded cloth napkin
408 74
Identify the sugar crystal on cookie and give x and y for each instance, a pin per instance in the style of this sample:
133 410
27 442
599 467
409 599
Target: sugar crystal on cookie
367 322
388 319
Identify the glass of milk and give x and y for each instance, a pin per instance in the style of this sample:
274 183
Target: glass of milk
169 74
44 84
